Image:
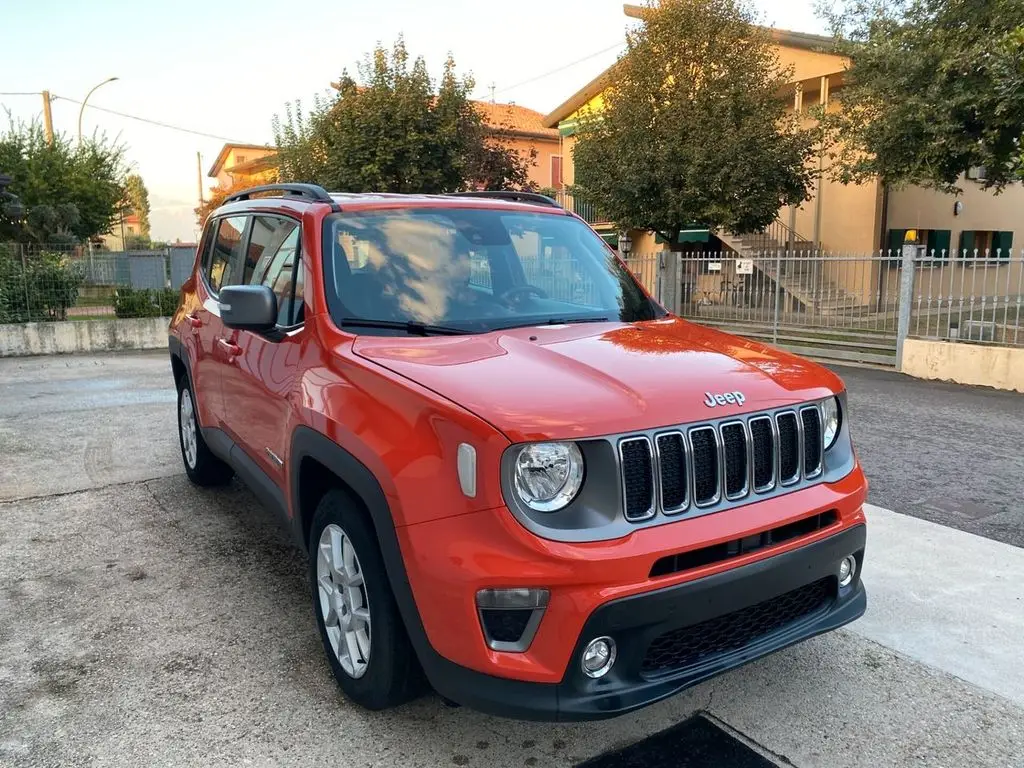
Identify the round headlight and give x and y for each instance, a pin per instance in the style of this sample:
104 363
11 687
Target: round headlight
830 421
548 475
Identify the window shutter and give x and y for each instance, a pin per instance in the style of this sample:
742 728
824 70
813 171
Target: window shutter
967 244
556 171
1002 244
938 243
895 247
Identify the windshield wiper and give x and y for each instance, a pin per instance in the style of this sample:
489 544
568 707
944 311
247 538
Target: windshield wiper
409 326
554 321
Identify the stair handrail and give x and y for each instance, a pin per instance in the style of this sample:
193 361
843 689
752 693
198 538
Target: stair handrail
780 233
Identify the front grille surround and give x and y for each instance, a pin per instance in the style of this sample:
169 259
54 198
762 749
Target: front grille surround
648 507
712 457
797 433
663 457
728 477
812 468
700 451
773 460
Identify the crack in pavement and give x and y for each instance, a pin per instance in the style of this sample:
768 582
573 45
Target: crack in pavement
88 489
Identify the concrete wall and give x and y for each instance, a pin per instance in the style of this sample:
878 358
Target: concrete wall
67 337
999 367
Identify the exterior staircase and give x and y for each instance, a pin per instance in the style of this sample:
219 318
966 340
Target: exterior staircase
801 280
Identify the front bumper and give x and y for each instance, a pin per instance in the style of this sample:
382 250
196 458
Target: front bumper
635 621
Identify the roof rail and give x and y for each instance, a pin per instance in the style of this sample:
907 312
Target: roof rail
308 191
512 196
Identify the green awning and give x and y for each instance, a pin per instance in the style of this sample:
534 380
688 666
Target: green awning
687 236
612 238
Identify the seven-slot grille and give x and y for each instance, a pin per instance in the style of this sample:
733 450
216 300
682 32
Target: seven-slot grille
710 464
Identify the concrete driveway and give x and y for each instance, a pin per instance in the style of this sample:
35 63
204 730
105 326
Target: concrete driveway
146 622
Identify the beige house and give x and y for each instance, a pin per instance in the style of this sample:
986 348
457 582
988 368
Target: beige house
248 163
514 126
838 218
122 228
524 130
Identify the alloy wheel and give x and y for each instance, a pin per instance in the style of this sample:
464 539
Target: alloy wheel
344 604
187 419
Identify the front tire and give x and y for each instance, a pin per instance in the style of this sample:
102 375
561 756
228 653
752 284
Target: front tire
202 467
360 627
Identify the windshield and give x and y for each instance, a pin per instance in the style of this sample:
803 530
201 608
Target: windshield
472 270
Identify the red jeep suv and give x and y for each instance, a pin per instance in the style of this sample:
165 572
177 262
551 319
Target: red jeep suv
513 471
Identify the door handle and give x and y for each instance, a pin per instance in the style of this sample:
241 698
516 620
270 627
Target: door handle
230 347
194 321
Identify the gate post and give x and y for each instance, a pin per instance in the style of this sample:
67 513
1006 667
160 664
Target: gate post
906 300
669 288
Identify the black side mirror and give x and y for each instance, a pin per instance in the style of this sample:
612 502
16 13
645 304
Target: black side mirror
248 307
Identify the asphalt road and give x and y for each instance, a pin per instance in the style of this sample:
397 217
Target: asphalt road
942 452
147 622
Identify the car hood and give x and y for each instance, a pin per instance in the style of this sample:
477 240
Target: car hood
587 380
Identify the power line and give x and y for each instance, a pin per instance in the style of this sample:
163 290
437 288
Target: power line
152 122
21 93
559 69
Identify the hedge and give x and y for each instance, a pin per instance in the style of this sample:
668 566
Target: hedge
36 288
145 302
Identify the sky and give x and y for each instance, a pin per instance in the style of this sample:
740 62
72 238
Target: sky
227 68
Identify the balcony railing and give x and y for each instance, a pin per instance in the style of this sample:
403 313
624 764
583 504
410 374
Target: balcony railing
586 211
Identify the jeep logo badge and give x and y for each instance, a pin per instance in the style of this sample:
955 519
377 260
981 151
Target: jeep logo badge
727 398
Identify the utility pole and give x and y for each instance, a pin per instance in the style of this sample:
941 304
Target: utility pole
47 118
199 177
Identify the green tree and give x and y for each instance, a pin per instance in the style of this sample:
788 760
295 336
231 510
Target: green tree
394 131
694 129
934 88
137 201
68 192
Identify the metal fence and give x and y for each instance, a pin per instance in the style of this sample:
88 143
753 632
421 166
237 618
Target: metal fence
969 297
845 307
68 282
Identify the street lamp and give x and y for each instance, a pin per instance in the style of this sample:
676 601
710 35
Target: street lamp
85 100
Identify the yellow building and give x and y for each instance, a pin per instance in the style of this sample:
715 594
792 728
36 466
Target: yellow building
860 218
244 164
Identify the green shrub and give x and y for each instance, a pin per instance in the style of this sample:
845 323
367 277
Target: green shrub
37 288
145 302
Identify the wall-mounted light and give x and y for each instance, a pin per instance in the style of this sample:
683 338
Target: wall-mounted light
958 207
625 243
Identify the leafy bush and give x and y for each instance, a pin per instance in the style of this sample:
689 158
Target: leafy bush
145 302
37 288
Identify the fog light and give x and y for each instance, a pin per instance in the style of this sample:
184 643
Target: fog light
847 569
598 657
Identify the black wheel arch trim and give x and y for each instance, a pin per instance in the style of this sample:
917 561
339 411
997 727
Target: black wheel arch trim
308 443
178 352
449 679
